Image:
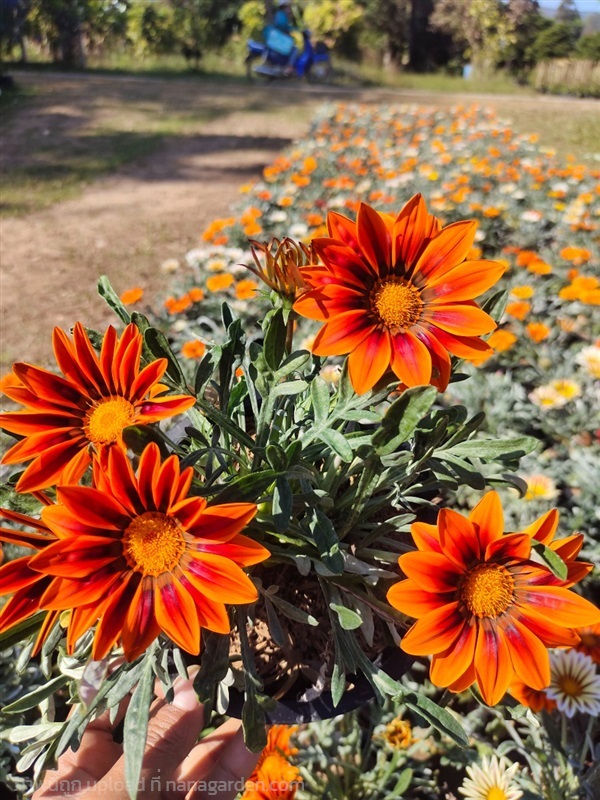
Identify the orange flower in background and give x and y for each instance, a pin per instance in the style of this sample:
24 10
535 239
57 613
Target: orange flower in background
217 283
535 699
590 642
485 611
88 409
196 294
397 293
274 778
245 289
537 331
139 556
132 296
518 310
500 341
576 255
585 288
193 349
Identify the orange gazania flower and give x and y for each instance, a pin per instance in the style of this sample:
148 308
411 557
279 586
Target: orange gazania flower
98 398
535 699
17 578
590 642
193 349
274 778
397 293
139 556
485 610
537 331
131 296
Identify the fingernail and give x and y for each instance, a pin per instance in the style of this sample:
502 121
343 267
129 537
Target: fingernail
185 696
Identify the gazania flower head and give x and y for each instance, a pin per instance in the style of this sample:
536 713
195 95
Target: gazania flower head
547 397
398 734
574 683
566 388
131 296
397 293
485 610
493 780
589 358
540 487
139 556
67 418
274 777
278 264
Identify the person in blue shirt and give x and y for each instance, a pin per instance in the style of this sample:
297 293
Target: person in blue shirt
284 20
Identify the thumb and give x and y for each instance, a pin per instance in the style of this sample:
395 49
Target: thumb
173 730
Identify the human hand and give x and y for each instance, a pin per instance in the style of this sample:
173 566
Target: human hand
175 766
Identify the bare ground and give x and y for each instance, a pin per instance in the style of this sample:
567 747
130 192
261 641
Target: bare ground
125 225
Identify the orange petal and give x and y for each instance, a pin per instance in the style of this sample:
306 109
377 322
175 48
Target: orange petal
461 346
241 549
464 282
47 385
435 632
165 406
409 232
39 422
114 611
544 527
529 655
220 523
510 546
426 536
433 572
77 556
93 507
411 360
176 614
489 518
493 665
551 634
452 664
369 360
140 627
373 238
343 229
561 605
342 334
458 538
449 247
211 615
220 579
459 319
48 466
408 598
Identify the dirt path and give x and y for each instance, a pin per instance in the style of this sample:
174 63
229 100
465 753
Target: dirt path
127 224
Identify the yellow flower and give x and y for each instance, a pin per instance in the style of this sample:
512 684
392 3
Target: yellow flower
398 734
566 388
547 397
540 487
522 292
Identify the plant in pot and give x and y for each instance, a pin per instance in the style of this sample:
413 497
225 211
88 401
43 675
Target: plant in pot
260 535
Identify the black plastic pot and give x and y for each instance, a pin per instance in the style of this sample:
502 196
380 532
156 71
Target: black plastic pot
290 711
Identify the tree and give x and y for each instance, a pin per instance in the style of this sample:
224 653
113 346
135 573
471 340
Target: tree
390 20
557 41
13 15
527 23
330 19
483 27
589 47
567 12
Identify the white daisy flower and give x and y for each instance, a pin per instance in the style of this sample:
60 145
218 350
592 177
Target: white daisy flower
493 780
574 683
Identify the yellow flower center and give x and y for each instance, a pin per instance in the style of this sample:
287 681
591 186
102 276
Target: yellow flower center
153 543
570 686
487 590
496 793
397 304
106 420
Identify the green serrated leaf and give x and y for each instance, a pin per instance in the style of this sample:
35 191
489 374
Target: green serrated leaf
135 728
349 619
106 291
551 559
